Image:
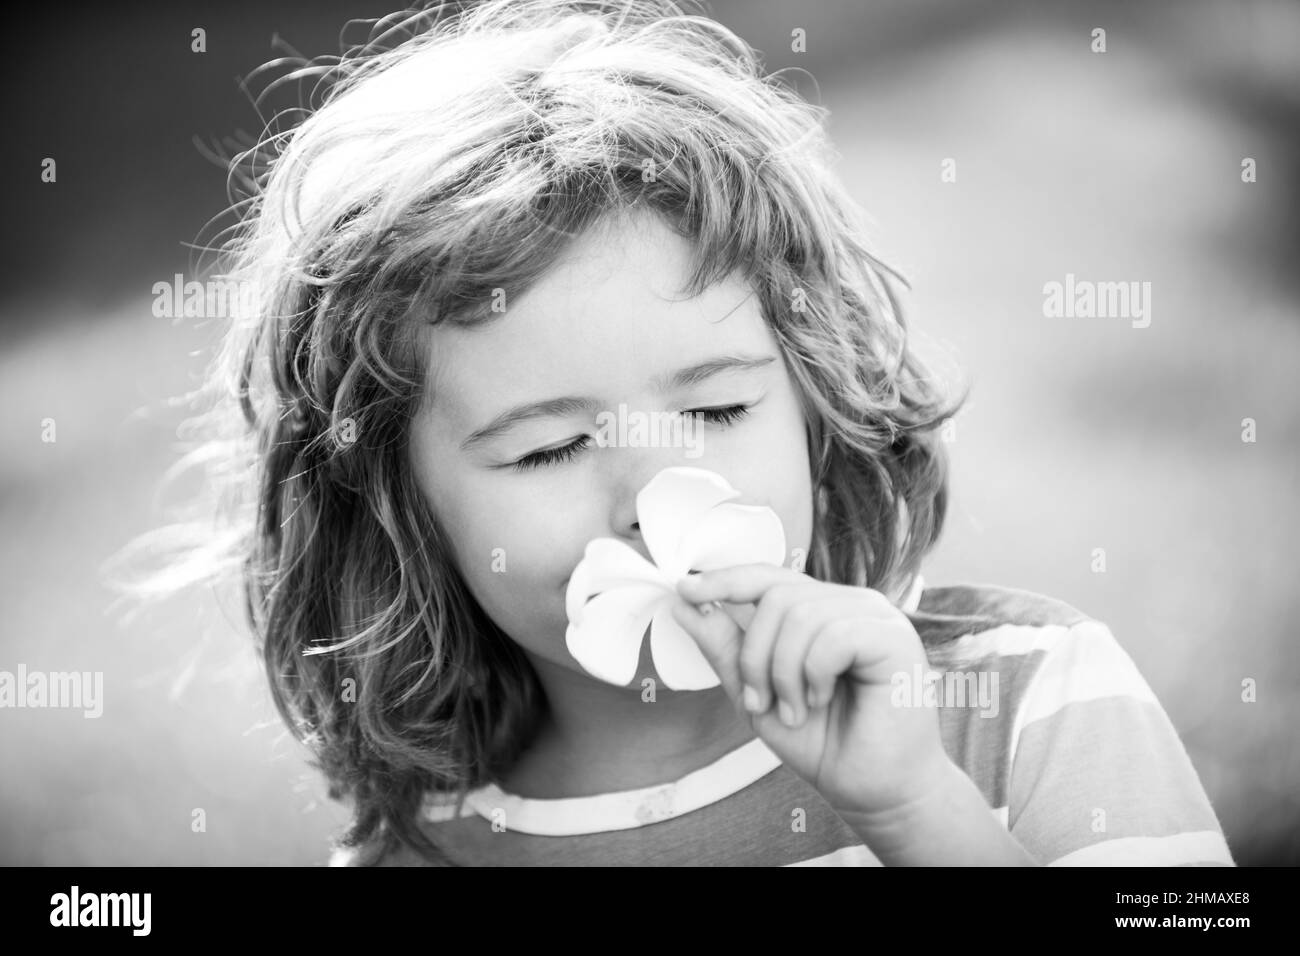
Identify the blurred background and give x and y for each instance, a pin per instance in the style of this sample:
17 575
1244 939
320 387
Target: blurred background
1080 433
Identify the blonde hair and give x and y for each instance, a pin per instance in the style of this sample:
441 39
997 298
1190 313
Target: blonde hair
456 153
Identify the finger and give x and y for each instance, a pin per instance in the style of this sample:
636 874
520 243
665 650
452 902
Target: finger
742 614
760 638
799 629
846 646
824 662
742 584
719 639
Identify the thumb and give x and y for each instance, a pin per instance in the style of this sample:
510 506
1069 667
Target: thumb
719 638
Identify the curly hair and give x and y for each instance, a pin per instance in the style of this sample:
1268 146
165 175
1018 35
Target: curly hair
457 153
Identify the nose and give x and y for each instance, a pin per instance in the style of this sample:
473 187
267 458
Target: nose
629 531
630 469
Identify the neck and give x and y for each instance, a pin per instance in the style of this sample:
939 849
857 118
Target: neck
599 738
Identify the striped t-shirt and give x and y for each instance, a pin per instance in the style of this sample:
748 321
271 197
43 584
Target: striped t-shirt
1037 703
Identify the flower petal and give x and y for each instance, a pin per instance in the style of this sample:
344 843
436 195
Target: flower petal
607 643
606 563
678 659
671 504
734 534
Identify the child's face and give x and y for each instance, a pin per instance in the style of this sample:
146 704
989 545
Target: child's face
603 325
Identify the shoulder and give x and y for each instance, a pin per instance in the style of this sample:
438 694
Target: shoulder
1005 658
1008 632
1044 653
959 610
1063 733
1021 635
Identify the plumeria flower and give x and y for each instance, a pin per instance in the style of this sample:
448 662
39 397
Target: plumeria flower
689 523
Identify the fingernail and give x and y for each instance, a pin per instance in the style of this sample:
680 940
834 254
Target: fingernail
752 702
812 698
786 713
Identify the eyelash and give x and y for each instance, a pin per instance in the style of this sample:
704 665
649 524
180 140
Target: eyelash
721 416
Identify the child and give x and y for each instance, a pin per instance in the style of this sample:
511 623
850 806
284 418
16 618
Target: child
487 235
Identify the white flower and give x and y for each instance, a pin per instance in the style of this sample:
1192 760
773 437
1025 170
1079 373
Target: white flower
688 523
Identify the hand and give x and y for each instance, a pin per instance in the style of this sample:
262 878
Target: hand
823 655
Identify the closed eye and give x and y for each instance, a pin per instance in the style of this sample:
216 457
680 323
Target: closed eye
553 456
722 416
726 415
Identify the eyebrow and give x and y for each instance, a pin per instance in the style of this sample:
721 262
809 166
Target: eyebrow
569 404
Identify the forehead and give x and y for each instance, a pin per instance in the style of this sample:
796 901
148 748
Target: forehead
606 318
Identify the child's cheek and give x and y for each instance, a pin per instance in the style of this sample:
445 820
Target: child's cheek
520 563
508 578
799 531
796 505
784 485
